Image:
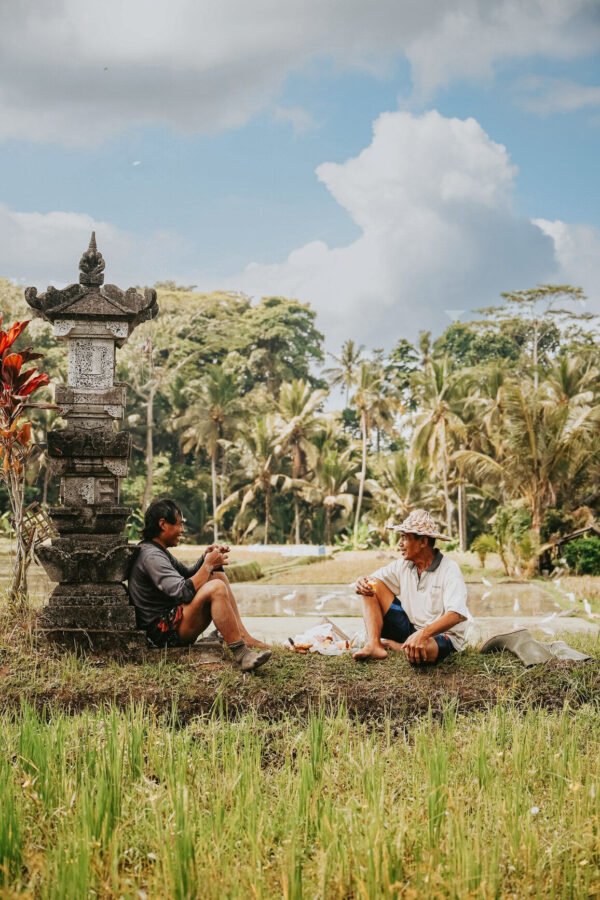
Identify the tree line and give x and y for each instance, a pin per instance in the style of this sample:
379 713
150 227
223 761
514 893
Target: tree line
237 412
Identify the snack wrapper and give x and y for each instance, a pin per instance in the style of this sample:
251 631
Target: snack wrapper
325 638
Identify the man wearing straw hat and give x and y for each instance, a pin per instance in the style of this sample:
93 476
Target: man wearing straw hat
417 604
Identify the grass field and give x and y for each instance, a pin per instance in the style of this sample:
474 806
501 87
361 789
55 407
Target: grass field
120 803
166 776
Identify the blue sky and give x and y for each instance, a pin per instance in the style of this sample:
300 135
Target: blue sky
384 161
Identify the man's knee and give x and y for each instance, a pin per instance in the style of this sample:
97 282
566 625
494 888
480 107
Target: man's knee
220 576
212 590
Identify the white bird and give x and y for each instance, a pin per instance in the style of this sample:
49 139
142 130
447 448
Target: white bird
485 595
547 630
587 607
516 605
557 582
549 618
137 162
486 582
570 597
289 596
323 600
289 612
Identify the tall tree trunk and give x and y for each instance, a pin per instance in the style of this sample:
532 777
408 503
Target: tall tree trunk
223 474
296 519
363 472
536 375
462 515
148 487
328 525
445 483
267 511
213 478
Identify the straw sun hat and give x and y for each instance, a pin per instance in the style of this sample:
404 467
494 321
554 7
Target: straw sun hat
420 522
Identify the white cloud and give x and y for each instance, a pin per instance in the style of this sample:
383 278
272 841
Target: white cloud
41 248
438 236
433 199
545 96
73 71
577 252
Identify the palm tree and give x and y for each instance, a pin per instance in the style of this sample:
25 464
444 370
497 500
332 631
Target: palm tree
214 417
439 424
329 486
400 484
261 451
298 407
345 373
366 398
546 440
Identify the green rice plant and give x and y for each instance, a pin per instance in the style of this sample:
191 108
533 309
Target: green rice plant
498 803
11 846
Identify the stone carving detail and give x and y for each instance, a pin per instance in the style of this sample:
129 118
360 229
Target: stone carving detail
91 264
90 557
91 363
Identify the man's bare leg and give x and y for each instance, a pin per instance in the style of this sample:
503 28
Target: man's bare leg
211 602
375 607
246 636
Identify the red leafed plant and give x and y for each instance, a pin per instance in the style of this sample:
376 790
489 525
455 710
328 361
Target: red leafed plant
17 384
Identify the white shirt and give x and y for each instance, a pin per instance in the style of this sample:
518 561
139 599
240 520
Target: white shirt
440 589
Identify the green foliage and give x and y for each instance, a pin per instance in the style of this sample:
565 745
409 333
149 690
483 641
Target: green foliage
472 344
583 555
515 542
482 545
556 523
229 416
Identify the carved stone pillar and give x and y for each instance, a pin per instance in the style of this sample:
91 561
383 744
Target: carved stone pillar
90 605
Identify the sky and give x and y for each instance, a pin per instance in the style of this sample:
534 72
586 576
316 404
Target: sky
395 164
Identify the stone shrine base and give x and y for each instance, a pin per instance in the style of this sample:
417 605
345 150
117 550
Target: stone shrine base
131 645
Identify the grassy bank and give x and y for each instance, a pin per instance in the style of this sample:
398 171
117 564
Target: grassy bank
123 803
33 671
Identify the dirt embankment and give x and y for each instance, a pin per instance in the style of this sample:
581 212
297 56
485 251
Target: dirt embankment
189 685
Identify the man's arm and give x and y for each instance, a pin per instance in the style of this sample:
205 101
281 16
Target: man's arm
214 558
415 646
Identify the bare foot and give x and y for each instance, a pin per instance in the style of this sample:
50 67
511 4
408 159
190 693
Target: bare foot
370 651
392 645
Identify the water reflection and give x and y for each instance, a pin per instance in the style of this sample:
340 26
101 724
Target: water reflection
339 599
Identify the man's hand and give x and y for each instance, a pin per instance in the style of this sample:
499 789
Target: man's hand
222 547
365 586
215 557
415 647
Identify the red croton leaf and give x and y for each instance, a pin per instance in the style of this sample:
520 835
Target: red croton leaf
24 434
10 370
34 384
28 355
22 380
7 338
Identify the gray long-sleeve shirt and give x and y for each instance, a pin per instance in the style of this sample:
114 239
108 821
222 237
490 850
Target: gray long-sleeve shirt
158 582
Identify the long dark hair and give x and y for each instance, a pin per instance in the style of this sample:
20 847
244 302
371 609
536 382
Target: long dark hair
159 509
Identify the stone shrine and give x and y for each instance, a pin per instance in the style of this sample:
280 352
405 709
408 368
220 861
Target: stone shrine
90 605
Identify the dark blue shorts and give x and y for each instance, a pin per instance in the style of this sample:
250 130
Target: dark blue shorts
397 627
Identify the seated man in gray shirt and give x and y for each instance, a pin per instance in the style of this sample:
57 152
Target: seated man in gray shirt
174 602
